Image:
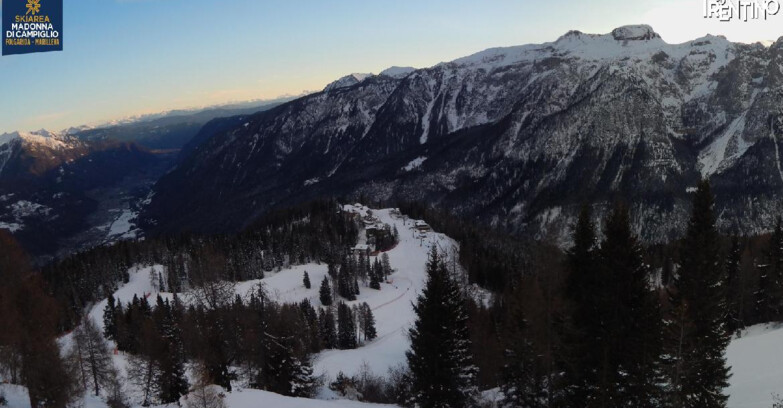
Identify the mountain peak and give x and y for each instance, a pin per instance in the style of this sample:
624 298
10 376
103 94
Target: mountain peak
348 80
641 32
397 72
38 137
7 137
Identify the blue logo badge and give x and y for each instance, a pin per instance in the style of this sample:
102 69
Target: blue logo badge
32 26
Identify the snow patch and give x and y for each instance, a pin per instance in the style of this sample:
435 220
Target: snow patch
415 163
123 227
728 147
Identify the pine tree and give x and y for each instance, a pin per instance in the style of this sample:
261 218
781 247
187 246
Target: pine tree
630 371
521 384
697 348
387 269
368 327
733 287
325 292
110 319
374 283
346 327
327 330
306 280
581 332
303 384
171 379
363 270
440 359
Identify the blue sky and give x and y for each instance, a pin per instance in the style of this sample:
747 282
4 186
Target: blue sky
127 57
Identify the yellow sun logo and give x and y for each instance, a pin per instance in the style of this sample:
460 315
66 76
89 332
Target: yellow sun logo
33 7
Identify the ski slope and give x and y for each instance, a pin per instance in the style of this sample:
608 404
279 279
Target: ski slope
392 305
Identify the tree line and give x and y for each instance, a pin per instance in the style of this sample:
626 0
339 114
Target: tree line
313 232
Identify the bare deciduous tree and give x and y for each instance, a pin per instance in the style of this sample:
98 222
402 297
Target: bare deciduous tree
91 357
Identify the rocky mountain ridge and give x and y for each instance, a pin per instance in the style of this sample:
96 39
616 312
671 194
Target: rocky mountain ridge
516 137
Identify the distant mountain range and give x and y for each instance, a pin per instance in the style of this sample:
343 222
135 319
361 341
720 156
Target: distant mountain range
515 137
64 191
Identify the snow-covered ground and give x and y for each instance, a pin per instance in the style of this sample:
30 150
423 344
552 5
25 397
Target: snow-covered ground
17 398
392 306
756 357
756 360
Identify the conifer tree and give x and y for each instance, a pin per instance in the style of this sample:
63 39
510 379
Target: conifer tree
171 379
346 327
325 292
698 343
521 385
374 283
630 372
303 384
440 359
306 280
387 269
327 330
368 325
581 331
345 285
110 319
733 288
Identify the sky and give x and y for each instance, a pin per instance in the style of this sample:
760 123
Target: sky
128 57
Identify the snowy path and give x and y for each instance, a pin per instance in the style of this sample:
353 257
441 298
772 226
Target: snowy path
392 306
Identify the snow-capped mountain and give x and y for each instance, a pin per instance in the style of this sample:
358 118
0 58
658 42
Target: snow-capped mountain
518 137
347 80
42 149
55 185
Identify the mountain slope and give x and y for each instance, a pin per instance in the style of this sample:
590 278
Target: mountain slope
518 137
54 187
